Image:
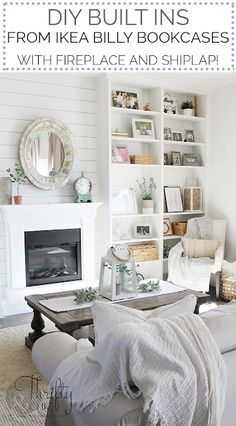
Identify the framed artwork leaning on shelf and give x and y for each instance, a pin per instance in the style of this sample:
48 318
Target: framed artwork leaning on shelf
125 100
189 135
142 231
120 154
177 136
193 160
167 134
175 158
173 199
143 128
192 198
166 159
167 228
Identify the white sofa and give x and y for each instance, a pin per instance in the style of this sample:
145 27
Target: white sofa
53 348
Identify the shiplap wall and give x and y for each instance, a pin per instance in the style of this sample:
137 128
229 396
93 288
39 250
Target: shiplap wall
67 97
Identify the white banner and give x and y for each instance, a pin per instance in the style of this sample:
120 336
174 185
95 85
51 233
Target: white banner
117 36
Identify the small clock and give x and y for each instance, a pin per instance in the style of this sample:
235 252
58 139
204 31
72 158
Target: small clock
82 187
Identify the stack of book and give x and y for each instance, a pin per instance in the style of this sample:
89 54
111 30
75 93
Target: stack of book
124 202
120 134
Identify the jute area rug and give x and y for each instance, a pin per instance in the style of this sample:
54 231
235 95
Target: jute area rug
23 392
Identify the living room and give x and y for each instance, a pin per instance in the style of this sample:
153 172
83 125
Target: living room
84 104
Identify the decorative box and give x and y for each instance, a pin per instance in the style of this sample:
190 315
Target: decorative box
192 197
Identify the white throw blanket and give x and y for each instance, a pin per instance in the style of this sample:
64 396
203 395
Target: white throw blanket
191 273
175 364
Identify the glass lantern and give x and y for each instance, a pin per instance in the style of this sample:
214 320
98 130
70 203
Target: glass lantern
118 274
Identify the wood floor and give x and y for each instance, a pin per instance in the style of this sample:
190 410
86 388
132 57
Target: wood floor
14 320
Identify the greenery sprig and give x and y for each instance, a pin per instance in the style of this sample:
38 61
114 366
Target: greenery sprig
85 295
148 286
146 189
17 175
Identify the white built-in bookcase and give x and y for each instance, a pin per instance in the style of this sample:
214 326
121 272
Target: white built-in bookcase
115 177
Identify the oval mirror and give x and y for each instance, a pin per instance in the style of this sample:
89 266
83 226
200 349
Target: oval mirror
47 153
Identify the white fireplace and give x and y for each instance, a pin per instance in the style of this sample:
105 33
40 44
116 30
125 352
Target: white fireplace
25 218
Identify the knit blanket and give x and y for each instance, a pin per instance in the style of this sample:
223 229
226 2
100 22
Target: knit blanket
173 364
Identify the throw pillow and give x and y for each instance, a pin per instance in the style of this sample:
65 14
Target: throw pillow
109 315
200 248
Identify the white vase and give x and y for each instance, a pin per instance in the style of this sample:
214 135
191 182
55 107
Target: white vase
148 206
188 112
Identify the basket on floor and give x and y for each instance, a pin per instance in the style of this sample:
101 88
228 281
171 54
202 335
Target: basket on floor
228 288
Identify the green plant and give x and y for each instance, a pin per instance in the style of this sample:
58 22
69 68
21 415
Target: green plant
146 189
148 286
187 105
18 176
123 268
85 295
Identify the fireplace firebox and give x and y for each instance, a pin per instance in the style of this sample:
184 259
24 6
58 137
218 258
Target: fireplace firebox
52 256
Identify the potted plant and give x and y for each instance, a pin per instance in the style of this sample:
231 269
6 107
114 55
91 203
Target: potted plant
187 107
18 176
146 193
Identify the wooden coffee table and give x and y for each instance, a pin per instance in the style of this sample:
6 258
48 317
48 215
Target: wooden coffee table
69 321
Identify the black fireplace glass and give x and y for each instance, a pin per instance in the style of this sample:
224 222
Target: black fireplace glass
52 256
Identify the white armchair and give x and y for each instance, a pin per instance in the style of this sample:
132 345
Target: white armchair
195 272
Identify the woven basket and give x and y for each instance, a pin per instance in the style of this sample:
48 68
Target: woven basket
228 288
143 252
141 159
179 228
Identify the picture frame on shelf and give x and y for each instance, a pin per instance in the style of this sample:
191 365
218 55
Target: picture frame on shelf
173 198
166 159
192 197
175 158
167 227
142 231
193 160
177 136
120 154
143 128
170 104
123 99
167 134
189 135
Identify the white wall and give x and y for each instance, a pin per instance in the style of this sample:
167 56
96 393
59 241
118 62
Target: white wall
221 170
66 97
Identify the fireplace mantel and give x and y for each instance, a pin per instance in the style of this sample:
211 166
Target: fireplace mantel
34 212
19 219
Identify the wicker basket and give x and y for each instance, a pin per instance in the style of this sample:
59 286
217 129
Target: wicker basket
228 288
143 252
179 228
141 159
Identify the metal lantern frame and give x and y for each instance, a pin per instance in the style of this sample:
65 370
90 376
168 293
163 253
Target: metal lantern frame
115 290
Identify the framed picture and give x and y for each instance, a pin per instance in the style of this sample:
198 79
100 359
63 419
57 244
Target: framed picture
125 100
143 128
170 104
192 198
167 228
166 159
173 199
189 136
120 154
177 136
192 160
175 158
142 231
167 134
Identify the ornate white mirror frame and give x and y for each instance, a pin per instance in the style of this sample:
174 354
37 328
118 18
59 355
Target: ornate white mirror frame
64 135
